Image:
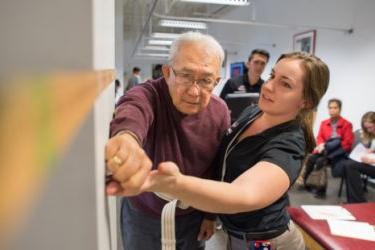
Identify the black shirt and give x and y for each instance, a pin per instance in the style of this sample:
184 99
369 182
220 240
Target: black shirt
234 84
282 145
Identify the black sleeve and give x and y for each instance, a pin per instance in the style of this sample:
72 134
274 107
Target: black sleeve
287 152
229 88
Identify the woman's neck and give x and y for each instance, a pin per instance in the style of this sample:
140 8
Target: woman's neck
262 123
335 118
269 120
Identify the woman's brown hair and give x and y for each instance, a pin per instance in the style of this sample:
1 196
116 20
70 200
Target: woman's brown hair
367 117
316 80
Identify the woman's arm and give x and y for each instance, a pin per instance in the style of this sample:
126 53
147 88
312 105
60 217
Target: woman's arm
256 188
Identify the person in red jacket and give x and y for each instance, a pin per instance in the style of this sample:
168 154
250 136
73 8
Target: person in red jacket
334 142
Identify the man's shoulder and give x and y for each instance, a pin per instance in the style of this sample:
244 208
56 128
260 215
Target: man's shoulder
150 90
151 85
217 102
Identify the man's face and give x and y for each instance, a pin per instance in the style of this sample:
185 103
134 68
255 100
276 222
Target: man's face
188 75
257 64
334 110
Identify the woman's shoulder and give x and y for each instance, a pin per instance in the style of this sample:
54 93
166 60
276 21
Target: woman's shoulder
291 137
249 113
345 121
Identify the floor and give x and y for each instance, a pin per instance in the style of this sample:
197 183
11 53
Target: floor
297 198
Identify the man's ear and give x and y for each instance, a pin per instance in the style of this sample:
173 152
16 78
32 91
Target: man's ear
247 65
166 71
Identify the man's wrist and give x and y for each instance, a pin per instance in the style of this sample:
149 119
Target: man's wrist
128 132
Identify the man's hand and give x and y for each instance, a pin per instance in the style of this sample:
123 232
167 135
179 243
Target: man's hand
128 163
208 228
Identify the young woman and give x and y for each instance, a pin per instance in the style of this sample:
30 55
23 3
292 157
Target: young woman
260 158
354 169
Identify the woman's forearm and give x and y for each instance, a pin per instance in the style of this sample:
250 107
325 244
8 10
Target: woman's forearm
256 188
213 196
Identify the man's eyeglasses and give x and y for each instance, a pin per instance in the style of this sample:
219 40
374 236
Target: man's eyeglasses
188 80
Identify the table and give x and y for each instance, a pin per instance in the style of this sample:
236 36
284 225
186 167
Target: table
317 234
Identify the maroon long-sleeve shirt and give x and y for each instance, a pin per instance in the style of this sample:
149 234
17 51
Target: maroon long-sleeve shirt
166 134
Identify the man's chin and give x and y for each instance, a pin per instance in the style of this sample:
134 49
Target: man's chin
190 110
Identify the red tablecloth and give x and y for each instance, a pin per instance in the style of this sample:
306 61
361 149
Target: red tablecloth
319 229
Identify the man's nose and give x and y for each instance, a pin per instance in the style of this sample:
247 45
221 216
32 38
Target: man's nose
194 88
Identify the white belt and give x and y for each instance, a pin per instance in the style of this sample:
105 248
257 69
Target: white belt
168 232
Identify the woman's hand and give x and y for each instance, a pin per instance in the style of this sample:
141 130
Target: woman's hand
164 179
368 159
319 148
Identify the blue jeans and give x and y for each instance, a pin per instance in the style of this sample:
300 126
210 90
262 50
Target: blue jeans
143 232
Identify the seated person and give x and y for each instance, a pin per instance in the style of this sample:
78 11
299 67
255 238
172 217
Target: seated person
335 139
354 169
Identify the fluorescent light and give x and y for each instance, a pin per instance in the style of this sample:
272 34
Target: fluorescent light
182 24
226 2
156 48
164 35
159 42
153 55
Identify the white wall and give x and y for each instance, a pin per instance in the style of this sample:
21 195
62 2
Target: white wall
350 57
45 35
103 26
119 40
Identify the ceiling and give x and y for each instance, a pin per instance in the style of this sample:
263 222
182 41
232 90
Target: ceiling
136 12
141 17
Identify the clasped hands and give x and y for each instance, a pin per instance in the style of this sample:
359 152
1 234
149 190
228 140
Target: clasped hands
132 174
131 169
319 149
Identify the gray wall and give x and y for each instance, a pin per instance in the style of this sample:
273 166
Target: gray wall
66 36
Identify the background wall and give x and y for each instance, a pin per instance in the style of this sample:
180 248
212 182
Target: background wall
350 57
48 37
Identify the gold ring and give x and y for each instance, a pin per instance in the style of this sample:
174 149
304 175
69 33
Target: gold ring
117 160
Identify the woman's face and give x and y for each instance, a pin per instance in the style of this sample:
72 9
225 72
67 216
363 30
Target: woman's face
282 93
334 110
370 127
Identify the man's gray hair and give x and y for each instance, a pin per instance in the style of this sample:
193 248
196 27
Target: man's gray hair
210 43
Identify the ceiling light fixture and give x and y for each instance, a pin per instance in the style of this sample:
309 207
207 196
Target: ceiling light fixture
164 35
224 2
159 42
156 48
153 55
182 24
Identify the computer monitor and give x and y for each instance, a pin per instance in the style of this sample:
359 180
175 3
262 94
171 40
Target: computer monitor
237 102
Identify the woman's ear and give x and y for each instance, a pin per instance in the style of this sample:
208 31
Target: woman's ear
305 105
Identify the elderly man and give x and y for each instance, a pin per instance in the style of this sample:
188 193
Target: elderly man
174 118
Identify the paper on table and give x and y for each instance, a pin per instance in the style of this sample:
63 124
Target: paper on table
322 212
352 229
359 151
